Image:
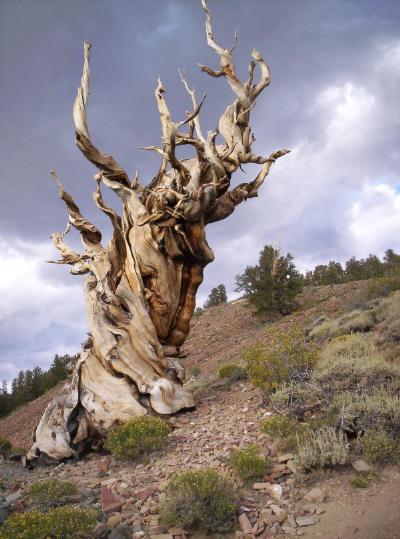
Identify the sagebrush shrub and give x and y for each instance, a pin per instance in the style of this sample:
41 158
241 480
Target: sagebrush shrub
232 371
379 447
199 499
51 491
285 357
383 286
136 437
324 447
359 412
350 364
60 523
248 462
287 428
296 399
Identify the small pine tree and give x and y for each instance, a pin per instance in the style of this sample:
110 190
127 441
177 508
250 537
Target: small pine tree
216 297
273 284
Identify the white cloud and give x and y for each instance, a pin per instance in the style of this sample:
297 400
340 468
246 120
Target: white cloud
39 317
375 219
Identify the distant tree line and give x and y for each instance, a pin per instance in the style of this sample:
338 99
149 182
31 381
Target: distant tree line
354 270
30 384
273 284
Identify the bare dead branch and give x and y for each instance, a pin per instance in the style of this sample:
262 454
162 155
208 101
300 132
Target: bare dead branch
91 236
111 169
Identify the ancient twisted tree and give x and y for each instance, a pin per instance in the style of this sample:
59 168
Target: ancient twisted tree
140 289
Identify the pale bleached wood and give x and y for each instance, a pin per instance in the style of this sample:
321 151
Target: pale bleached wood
140 288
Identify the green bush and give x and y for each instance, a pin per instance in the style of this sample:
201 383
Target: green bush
139 436
248 462
383 286
324 329
358 413
51 491
285 357
348 346
60 523
388 313
351 363
324 447
232 371
287 428
194 371
379 447
358 482
200 499
5 445
296 399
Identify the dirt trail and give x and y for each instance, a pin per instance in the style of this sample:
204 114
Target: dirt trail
372 513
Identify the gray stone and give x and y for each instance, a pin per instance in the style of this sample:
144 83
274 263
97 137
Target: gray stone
245 523
315 495
305 521
361 466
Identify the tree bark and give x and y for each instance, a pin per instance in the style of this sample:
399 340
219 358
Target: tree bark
140 289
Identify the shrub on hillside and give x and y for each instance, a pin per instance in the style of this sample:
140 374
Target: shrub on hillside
286 428
5 445
324 447
51 491
379 447
200 499
297 399
285 357
232 371
356 321
351 363
248 462
63 522
139 436
388 314
383 286
360 412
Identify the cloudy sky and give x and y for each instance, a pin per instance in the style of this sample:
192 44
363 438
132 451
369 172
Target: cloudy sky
333 100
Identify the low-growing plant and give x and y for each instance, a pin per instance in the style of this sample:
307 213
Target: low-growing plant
287 428
324 329
296 399
388 313
232 371
383 286
379 447
351 363
324 447
356 321
194 371
51 491
199 499
358 482
284 357
360 412
139 436
60 523
248 462
5 445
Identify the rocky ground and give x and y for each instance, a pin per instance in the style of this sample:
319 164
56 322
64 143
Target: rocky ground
323 504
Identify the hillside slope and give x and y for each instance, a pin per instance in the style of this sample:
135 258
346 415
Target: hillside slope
219 335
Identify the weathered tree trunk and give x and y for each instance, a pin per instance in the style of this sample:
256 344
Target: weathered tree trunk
140 289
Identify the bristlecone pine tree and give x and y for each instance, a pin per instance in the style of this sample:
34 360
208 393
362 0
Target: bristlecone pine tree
140 288
217 296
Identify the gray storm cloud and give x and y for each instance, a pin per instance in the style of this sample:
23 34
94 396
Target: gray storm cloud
333 100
